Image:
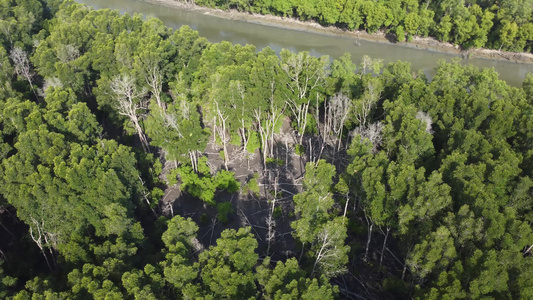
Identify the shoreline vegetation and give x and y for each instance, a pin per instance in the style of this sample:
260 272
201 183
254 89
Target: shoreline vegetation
417 42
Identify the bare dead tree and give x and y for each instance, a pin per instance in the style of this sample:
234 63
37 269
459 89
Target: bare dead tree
145 194
270 222
266 125
6 27
7 230
154 79
22 65
221 130
323 130
423 116
300 112
527 250
243 130
304 73
193 156
43 239
171 122
337 110
67 53
370 225
50 82
373 65
263 128
372 132
365 104
129 103
388 228
328 252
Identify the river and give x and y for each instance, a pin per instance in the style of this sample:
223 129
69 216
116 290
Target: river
217 29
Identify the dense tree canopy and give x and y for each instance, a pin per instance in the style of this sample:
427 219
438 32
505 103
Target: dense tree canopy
138 162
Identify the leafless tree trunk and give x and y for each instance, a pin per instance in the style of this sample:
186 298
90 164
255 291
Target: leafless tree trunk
154 79
323 130
338 110
384 245
324 241
328 251
424 117
7 230
370 225
264 133
41 240
304 73
271 223
172 122
374 65
6 28
22 65
238 99
364 105
346 205
145 194
266 126
371 132
222 133
300 112
527 250
193 155
129 102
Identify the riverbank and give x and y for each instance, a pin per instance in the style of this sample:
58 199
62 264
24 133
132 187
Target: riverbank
428 44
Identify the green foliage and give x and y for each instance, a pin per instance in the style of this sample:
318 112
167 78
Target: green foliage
400 34
223 210
203 185
506 25
180 241
6 282
252 186
316 226
299 150
226 269
100 180
312 205
274 161
254 143
288 281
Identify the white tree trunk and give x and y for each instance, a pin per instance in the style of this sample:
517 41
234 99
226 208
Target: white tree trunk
22 65
384 245
369 237
129 102
222 133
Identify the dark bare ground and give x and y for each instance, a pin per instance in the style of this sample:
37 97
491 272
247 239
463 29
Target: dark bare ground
278 184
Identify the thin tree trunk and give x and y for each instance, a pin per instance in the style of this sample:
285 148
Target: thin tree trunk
369 238
528 250
301 253
346 206
8 231
38 241
384 245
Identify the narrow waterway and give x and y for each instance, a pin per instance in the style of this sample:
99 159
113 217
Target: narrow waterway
217 29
